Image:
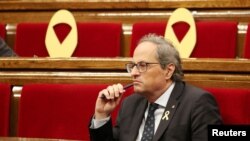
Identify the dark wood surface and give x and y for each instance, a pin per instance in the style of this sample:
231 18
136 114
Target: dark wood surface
124 4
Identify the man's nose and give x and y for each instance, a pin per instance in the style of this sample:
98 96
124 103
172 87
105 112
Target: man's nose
135 71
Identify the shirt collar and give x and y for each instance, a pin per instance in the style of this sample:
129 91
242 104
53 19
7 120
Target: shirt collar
163 99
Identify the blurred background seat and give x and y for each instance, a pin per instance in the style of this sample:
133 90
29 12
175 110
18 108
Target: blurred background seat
61 111
215 39
143 28
5 94
234 104
94 39
2 31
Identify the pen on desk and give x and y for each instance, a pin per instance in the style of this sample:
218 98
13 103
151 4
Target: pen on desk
125 87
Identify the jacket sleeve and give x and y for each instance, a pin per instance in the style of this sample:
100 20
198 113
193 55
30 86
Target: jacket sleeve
104 133
204 112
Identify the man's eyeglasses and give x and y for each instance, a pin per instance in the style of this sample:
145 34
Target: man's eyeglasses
141 66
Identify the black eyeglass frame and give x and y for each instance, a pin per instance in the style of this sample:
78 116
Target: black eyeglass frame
140 66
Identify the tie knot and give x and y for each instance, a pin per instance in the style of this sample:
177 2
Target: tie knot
153 107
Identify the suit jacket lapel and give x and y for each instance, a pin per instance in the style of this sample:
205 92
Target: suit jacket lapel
170 109
137 120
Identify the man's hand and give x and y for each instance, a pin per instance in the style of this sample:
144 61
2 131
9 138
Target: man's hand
107 100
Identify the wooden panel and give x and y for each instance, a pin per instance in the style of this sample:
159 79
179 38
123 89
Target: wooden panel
124 4
217 80
19 71
64 63
118 64
216 65
20 78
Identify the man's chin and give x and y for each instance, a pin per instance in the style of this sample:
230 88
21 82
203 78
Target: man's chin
138 90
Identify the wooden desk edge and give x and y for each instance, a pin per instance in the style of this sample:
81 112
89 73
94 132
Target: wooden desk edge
118 64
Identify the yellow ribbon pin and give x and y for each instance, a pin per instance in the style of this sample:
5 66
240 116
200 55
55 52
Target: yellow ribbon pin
165 117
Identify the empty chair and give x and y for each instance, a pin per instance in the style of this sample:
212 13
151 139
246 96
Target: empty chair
94 39
246 51
2 31
60 111
215 39
5 94
234 104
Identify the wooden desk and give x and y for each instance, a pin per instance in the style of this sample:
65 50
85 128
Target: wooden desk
117 64
29 139
201 72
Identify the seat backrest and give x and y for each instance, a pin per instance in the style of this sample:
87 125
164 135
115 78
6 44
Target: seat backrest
246 51
30 40
99 40
2 31
5 95
215 39
234 104
94 39
57 110
143 28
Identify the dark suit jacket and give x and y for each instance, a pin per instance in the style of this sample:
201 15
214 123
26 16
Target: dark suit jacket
191 110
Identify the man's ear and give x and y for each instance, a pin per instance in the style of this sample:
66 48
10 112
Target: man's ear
169 70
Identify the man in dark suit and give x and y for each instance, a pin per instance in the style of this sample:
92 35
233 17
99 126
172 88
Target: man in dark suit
183 111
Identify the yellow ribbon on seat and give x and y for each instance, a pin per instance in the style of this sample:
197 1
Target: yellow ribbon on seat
186 46
53 45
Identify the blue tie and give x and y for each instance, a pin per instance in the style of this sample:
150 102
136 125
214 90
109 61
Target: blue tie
148 131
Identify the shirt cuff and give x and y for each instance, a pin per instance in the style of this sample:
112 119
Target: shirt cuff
98 123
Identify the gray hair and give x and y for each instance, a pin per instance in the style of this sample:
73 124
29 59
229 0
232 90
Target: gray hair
166 54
